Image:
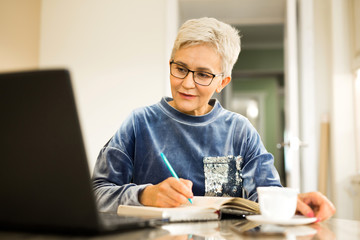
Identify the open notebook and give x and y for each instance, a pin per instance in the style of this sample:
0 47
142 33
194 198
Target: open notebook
203 208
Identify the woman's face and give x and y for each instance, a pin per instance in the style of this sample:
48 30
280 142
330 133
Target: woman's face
189 97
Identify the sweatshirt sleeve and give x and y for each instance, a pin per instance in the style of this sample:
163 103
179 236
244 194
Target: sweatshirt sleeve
258 169
113 171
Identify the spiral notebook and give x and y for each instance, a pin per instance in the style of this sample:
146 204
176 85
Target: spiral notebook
202 209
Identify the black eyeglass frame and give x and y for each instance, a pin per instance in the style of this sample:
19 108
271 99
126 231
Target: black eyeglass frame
193 72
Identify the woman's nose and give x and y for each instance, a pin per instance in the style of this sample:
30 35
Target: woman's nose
188 81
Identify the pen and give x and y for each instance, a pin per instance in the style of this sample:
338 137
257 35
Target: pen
173 173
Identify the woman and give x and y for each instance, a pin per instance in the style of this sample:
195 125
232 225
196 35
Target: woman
215 152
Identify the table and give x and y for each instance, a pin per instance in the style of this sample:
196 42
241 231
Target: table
214 230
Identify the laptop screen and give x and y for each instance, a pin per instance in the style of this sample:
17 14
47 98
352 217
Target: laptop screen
44 176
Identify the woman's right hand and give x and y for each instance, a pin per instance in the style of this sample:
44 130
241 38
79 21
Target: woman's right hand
168 193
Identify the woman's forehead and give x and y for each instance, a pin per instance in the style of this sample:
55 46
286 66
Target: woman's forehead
198 56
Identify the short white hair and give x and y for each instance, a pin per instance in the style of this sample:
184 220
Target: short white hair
222 37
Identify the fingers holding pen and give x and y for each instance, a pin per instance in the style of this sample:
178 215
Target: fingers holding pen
179 191
168 193
187 190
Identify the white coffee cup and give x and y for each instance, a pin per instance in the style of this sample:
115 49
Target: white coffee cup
277 203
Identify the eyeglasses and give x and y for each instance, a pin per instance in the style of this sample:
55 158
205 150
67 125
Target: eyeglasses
202 78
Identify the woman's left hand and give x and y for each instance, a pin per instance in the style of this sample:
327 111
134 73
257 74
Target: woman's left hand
315 204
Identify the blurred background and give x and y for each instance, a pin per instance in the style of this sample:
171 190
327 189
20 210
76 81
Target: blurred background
296 79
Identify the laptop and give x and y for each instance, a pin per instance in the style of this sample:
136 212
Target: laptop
44 174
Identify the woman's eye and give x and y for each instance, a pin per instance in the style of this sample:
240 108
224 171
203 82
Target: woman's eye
203 75
181 69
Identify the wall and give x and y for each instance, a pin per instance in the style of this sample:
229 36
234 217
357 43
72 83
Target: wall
343 145
355 31
19 34
261 60
326 51
117 52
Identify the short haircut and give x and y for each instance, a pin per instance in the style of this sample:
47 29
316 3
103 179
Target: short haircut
222 37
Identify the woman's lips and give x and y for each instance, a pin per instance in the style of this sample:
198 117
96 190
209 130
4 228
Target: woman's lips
187 96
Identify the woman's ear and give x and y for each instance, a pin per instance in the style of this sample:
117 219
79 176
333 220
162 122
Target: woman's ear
223 84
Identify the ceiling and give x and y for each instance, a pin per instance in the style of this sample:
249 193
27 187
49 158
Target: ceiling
260 21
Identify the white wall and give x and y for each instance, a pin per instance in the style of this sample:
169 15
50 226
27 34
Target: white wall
332 81
117 52
343 145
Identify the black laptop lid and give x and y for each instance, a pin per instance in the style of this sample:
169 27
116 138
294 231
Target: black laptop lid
44 176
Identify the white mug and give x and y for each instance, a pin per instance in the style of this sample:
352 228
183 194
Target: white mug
277 203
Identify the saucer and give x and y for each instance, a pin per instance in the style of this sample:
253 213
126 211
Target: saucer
296 220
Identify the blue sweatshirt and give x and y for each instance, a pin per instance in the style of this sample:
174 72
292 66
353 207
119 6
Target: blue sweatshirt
220 152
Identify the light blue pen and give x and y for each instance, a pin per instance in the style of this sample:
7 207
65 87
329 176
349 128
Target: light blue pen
173 173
